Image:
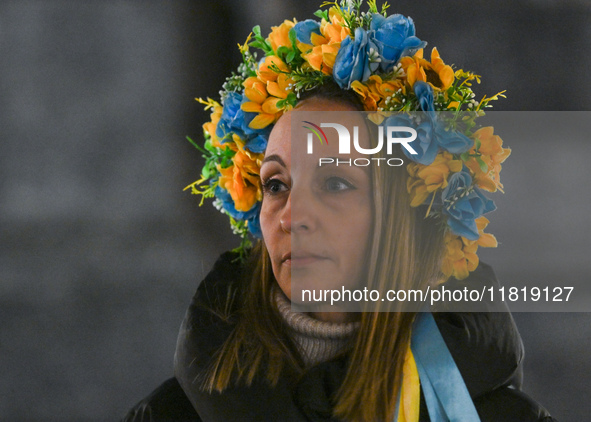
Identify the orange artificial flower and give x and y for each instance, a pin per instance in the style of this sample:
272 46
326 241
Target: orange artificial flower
460 253
425 180
279 36
210 127
370 100
264 98
335 30
266 74
242 178
492 154
256 92
281 87
374 91
436 73
322 57
322 52
443 72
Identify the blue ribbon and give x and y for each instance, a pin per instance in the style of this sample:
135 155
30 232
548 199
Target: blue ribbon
445 392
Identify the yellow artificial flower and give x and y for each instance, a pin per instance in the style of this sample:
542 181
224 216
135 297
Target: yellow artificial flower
264 98
281 87
279 36
215 116
255 90
336 30
370 100
322 57
492 154
459 259
322 52
460 253
425 180
486 240
374 91
442 71
436 72
384 89
242 178
265 71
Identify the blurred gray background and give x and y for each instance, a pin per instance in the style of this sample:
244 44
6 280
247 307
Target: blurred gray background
101 250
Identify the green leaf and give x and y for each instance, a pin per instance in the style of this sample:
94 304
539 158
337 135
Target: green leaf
322 14
477 144
482 164
289 58
293 38
195 144
283 51
209 147
258 44
292 99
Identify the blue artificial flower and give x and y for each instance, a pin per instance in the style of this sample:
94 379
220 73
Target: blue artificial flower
424 145
451 140
232 119
254 226
352 61
228 205
463 204
394 37
431 137
257 144
424 93
305 29
235 120
246 119
431 133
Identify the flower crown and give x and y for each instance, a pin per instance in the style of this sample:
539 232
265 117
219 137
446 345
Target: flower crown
381 60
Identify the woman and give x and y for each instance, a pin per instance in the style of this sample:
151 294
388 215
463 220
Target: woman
243 353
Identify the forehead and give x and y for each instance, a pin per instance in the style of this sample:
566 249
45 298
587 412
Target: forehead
280 138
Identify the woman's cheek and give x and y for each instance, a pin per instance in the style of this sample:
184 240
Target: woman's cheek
268 217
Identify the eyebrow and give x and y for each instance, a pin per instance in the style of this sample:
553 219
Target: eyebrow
274 157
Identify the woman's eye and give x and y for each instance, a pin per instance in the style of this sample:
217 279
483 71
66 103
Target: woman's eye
273 186
337 184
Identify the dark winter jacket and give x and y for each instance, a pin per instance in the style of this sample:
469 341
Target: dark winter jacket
486 347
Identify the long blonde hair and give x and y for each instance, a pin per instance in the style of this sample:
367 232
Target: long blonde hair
406 251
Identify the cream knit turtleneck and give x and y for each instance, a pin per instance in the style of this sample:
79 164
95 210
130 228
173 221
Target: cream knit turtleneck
317 341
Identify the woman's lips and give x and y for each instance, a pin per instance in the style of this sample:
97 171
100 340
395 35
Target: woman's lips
301 259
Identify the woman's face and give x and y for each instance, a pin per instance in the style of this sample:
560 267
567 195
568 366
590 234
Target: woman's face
316 220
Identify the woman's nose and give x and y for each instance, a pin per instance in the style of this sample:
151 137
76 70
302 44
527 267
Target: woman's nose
298 215
285 216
